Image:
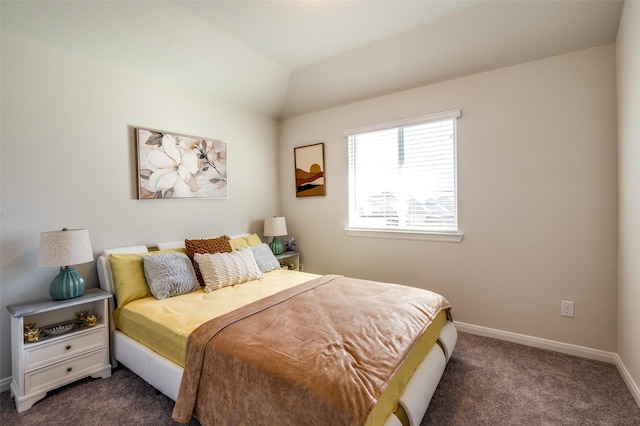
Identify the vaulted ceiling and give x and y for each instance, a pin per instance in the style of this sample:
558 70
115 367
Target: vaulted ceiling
286 58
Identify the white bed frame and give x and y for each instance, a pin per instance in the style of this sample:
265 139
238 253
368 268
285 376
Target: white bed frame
165 375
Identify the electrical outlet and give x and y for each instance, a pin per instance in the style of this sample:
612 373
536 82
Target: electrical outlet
566 308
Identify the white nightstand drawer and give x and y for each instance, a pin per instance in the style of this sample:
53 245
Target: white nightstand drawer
48 353
65 371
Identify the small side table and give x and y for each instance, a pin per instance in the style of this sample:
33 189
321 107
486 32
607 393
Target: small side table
289 258
64 353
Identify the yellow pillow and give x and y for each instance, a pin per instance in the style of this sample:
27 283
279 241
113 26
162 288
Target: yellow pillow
238 243
244 242
127 271
254 240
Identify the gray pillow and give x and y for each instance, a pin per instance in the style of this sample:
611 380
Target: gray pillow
169 274
264 258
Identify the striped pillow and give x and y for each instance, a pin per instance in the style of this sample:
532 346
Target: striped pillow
226 269
211 245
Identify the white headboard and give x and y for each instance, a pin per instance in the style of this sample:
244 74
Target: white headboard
171 245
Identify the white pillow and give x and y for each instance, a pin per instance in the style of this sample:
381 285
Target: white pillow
169 274
225 269
264 258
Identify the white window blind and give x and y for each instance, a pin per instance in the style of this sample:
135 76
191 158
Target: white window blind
402 175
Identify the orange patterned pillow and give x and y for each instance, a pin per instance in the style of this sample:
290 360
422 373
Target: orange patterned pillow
211 246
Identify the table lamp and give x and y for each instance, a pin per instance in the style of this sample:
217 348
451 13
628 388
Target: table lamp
275 227
65 248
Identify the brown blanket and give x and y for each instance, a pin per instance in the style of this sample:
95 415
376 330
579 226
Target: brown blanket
319 353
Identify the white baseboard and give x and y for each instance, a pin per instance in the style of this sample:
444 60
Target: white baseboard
5 383
566 348
631 384
523 339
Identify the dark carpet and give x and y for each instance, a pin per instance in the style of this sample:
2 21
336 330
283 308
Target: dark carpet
493 382
487 382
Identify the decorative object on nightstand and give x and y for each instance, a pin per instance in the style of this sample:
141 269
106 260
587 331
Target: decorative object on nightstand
31 332
87 318
275 227
290 244
289 260
65 248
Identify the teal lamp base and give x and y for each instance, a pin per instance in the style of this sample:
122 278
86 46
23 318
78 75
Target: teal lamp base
67 284
276 246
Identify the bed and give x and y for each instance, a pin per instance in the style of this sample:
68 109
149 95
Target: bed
179 343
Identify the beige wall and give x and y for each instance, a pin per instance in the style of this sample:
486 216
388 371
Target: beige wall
628 56
68 159
537 198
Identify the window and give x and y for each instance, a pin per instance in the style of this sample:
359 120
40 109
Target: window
402 175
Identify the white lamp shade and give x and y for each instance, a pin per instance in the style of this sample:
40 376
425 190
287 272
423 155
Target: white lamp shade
275 226
64 248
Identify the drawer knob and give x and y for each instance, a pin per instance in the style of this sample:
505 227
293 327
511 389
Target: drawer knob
68 347
69 369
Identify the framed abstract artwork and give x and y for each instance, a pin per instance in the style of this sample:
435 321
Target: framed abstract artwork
310 175
179 166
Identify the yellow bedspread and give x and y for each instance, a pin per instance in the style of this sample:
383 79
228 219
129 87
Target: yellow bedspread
164 325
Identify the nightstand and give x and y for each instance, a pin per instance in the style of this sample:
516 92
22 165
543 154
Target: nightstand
66 349
289 258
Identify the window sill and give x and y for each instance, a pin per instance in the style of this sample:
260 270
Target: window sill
448 237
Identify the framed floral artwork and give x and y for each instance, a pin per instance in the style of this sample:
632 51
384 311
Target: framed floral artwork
178 166
309 164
